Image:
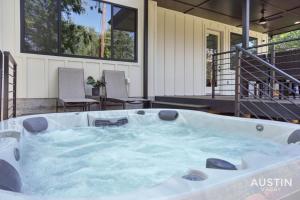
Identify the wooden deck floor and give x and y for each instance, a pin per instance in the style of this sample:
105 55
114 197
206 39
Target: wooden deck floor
226 104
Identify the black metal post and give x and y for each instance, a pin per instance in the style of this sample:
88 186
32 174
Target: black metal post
145 70
245 42
272 72
246 23
213 68
15 91
237 83
5 85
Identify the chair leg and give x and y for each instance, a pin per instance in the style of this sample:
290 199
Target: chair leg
103 106
56 105
124 106
64 107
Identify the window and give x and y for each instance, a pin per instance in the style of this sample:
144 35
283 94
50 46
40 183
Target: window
40 26
124 34
86 28
212 47
237 39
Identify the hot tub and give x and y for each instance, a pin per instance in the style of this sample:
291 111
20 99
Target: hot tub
148 154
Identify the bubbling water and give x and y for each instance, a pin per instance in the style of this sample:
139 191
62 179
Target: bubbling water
92 162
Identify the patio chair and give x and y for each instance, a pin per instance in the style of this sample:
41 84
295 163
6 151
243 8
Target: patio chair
71 89
116 90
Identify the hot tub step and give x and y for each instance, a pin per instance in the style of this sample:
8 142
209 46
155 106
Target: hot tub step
162 104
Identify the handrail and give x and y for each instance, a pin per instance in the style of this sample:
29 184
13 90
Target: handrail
224 52
258 46
5 80
11 58
274 43
291 78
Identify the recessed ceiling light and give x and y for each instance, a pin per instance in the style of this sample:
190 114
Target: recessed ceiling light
297 22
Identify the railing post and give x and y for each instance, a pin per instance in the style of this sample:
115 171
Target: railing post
15 91
272 72
237 83
5 85
213 68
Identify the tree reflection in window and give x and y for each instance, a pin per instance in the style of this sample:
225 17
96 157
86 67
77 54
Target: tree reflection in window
85 28
40 26
124 27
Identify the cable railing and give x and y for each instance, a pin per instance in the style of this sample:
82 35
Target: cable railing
8 85
264 84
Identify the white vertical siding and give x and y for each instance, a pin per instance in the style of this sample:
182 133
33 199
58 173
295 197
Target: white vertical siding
198 57
169 52
179 52
160 53
152 43
179 55
189 55
176 54
36 85
52 76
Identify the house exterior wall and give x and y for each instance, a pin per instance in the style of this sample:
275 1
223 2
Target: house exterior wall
176 53
177 57
37 74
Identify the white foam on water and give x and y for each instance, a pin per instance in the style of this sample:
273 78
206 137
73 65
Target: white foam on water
92 162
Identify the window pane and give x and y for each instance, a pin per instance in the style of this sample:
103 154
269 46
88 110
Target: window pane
86 28
124 33
40 31
237 39
211 48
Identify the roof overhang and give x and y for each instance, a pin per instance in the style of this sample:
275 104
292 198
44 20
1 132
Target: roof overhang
281 15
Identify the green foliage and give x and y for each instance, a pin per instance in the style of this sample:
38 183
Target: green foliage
41 25
79 40
95 83
123 45
72 6
41 31
286 36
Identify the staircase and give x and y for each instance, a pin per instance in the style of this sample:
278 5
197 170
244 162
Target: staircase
265 84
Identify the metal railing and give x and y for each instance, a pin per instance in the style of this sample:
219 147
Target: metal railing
8 85
263 80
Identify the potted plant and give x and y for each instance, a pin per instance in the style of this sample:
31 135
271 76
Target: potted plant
96 84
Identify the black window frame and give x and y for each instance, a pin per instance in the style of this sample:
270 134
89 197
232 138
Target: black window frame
59 53
230 46
237 34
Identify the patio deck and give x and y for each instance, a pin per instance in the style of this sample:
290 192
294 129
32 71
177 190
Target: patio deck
226 104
